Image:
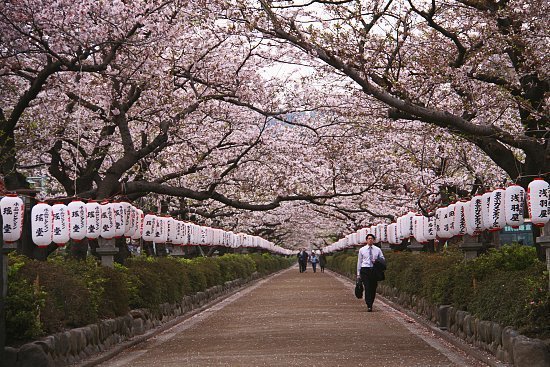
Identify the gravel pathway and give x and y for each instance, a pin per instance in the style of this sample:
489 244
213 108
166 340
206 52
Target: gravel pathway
293 319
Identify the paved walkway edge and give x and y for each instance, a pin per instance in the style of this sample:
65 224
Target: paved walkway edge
450 338
105 356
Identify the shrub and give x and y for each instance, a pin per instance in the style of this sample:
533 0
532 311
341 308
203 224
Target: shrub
23 304
120 291
47 297
210 267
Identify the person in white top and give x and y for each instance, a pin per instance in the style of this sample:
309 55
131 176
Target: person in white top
368 255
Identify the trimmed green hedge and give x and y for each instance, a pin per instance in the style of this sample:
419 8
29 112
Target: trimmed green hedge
508 286
47 297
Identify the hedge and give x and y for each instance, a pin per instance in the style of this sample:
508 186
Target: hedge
45 297
508 286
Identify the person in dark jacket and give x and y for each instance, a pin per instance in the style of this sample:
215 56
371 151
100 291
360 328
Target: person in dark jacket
322 261
302 260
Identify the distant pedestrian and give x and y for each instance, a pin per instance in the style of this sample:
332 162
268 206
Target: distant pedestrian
302 260
322 261
366 259
314 260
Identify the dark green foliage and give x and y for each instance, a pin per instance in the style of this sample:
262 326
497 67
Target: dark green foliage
211 269
23 304
47 297
508 286
68 302
119 289
266 263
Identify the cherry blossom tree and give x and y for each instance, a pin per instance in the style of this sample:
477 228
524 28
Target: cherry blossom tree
177 105
476 69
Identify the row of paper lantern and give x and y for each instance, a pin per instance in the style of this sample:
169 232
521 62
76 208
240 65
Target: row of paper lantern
491 211
60 223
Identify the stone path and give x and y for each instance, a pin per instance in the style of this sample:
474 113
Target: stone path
293 319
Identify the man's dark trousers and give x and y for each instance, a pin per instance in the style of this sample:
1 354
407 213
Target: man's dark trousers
368 278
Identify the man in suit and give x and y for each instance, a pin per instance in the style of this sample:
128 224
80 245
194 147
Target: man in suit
367 257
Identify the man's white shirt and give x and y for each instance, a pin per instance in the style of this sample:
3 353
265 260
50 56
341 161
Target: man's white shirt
364 260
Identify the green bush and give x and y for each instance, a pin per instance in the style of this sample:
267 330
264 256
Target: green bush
120 290
210 267
47 297
267 263
23 304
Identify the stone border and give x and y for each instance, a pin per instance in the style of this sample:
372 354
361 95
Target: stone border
93 344
505 343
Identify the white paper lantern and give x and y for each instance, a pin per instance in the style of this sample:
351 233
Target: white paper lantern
407 225
382 232
61 224
240 240
192 232
186 240
496 203
352 239
451 213
372 230
399 228
127 210
77 213
172 230
442 223
392 234
232 239
514 200
474 216
538 195
132 221
120 225
486 210
161 230
12 209
418 228
202 238
460 218
245 240
149 226
42 224
93 219
107 221
219 237
138 225
177 237
362 235
429 228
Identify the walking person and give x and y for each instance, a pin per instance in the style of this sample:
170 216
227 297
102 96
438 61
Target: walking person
302 260
368 256
314 260
322 261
